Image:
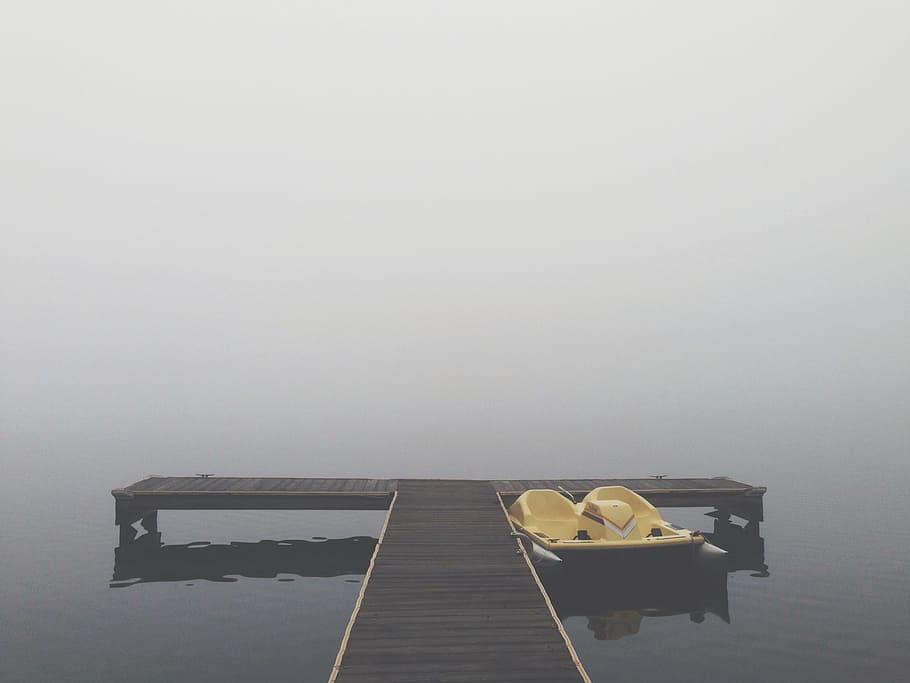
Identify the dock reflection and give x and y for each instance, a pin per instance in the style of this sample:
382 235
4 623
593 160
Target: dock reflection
615 599
744 545
147 560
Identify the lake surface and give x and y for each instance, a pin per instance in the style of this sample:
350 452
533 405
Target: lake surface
833 605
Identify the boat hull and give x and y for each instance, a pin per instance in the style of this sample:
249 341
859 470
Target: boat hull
612 524
585 558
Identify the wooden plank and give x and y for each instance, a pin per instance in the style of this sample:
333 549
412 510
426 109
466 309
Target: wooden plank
290 493
262 484
249 485
651 483
273 500
354 485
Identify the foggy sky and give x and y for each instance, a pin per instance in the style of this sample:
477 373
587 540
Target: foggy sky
463 239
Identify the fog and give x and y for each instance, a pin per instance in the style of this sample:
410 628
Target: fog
454 239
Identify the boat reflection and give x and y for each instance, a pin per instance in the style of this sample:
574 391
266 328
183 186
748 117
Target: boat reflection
616 598
147 560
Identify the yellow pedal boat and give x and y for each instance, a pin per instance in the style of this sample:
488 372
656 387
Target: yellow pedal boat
609 519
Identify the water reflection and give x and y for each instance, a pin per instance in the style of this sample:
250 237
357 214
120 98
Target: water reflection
147 560
615 598
744 545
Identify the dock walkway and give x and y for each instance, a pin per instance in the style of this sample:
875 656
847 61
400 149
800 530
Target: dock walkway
448 598
306 493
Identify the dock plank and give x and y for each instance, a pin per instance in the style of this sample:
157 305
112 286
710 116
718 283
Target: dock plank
300 493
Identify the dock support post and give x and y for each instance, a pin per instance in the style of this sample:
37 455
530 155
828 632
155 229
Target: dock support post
127 534
125 515
149 522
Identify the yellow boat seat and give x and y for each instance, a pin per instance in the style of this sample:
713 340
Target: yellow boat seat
546 509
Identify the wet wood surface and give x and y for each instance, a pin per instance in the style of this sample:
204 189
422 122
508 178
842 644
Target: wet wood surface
449 598
228 493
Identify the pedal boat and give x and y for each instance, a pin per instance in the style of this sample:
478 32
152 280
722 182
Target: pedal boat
609 521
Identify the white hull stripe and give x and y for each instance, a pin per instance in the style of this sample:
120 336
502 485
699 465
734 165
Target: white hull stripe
621 532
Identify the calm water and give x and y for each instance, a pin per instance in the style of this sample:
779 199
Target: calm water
834 604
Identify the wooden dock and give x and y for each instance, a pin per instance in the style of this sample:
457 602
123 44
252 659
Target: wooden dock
298 493
257 493
449 597
733 496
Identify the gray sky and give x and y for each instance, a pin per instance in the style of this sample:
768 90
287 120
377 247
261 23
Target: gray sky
474 238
